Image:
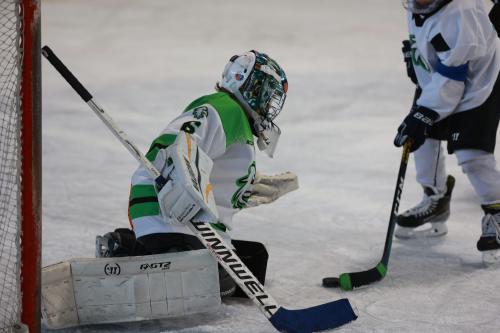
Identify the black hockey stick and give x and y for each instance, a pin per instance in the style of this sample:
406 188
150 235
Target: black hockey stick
349 281
314 319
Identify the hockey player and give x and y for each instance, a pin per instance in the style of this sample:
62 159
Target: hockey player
453 55
224 126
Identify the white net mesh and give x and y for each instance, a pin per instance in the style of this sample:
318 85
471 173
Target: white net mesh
10 118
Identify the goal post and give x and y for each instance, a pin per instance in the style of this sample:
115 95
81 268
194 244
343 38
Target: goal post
20 165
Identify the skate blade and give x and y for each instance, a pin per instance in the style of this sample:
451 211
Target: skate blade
491 257
435 229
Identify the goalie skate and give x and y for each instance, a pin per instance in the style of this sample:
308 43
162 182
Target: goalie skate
428 218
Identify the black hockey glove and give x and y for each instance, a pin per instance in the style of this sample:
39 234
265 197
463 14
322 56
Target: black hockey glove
410 70
415 127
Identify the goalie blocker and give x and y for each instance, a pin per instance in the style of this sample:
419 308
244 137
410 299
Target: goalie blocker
188 191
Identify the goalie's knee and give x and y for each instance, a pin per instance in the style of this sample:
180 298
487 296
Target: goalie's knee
118 243
254 255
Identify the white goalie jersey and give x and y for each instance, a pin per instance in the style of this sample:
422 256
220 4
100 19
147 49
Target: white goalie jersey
222 130
456 56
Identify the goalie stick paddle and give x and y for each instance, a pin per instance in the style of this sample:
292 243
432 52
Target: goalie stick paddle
314 319
349 281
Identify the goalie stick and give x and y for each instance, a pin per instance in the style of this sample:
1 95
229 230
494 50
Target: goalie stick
318 318
349 281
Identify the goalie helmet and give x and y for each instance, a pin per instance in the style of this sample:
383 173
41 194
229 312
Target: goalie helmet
422 7
260 85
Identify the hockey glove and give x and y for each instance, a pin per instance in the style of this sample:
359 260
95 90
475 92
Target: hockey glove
188 192
410 70
267 189
416 127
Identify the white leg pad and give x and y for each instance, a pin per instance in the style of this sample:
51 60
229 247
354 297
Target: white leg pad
104 290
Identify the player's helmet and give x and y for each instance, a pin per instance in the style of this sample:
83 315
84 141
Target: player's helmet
260 85
416 8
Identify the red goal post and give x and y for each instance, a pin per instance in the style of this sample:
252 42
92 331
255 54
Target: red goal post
20 165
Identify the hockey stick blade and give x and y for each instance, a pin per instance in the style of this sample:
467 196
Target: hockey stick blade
314 319
349 281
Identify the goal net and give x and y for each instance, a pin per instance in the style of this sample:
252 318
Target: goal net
19 155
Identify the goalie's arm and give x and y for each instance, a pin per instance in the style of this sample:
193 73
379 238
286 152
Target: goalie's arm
206 134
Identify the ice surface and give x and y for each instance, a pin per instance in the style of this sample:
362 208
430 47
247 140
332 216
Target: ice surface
144 61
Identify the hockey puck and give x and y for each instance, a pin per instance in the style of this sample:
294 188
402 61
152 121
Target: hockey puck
331 282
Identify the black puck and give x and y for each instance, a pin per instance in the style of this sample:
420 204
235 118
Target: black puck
331 282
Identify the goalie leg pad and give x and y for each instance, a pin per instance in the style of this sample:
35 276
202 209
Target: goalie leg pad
104 290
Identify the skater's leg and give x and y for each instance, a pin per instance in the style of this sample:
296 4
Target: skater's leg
434 209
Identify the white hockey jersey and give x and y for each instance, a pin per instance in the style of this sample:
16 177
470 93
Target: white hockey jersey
220 127
456 56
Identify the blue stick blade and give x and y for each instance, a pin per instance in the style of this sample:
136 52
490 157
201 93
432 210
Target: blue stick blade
315 319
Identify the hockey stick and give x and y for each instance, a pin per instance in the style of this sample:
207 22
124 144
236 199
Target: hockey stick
349 281
313 319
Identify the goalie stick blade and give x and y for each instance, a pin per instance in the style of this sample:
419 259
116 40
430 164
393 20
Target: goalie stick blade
315 319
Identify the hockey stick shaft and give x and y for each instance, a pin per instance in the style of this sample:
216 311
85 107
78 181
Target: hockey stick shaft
348 281
225 256
106 119
395 203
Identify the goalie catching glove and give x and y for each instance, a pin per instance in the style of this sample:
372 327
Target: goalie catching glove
188 192
267 189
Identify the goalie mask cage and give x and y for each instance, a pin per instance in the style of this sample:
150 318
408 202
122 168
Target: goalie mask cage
20 165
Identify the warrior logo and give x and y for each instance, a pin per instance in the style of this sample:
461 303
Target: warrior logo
112 269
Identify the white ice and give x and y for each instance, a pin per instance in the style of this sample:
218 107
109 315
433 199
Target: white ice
144 61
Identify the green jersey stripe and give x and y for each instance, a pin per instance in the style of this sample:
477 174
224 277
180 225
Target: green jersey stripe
141 191
144 209
142 200
163 141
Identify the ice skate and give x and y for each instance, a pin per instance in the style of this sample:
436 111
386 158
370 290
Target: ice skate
489 242
428 218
